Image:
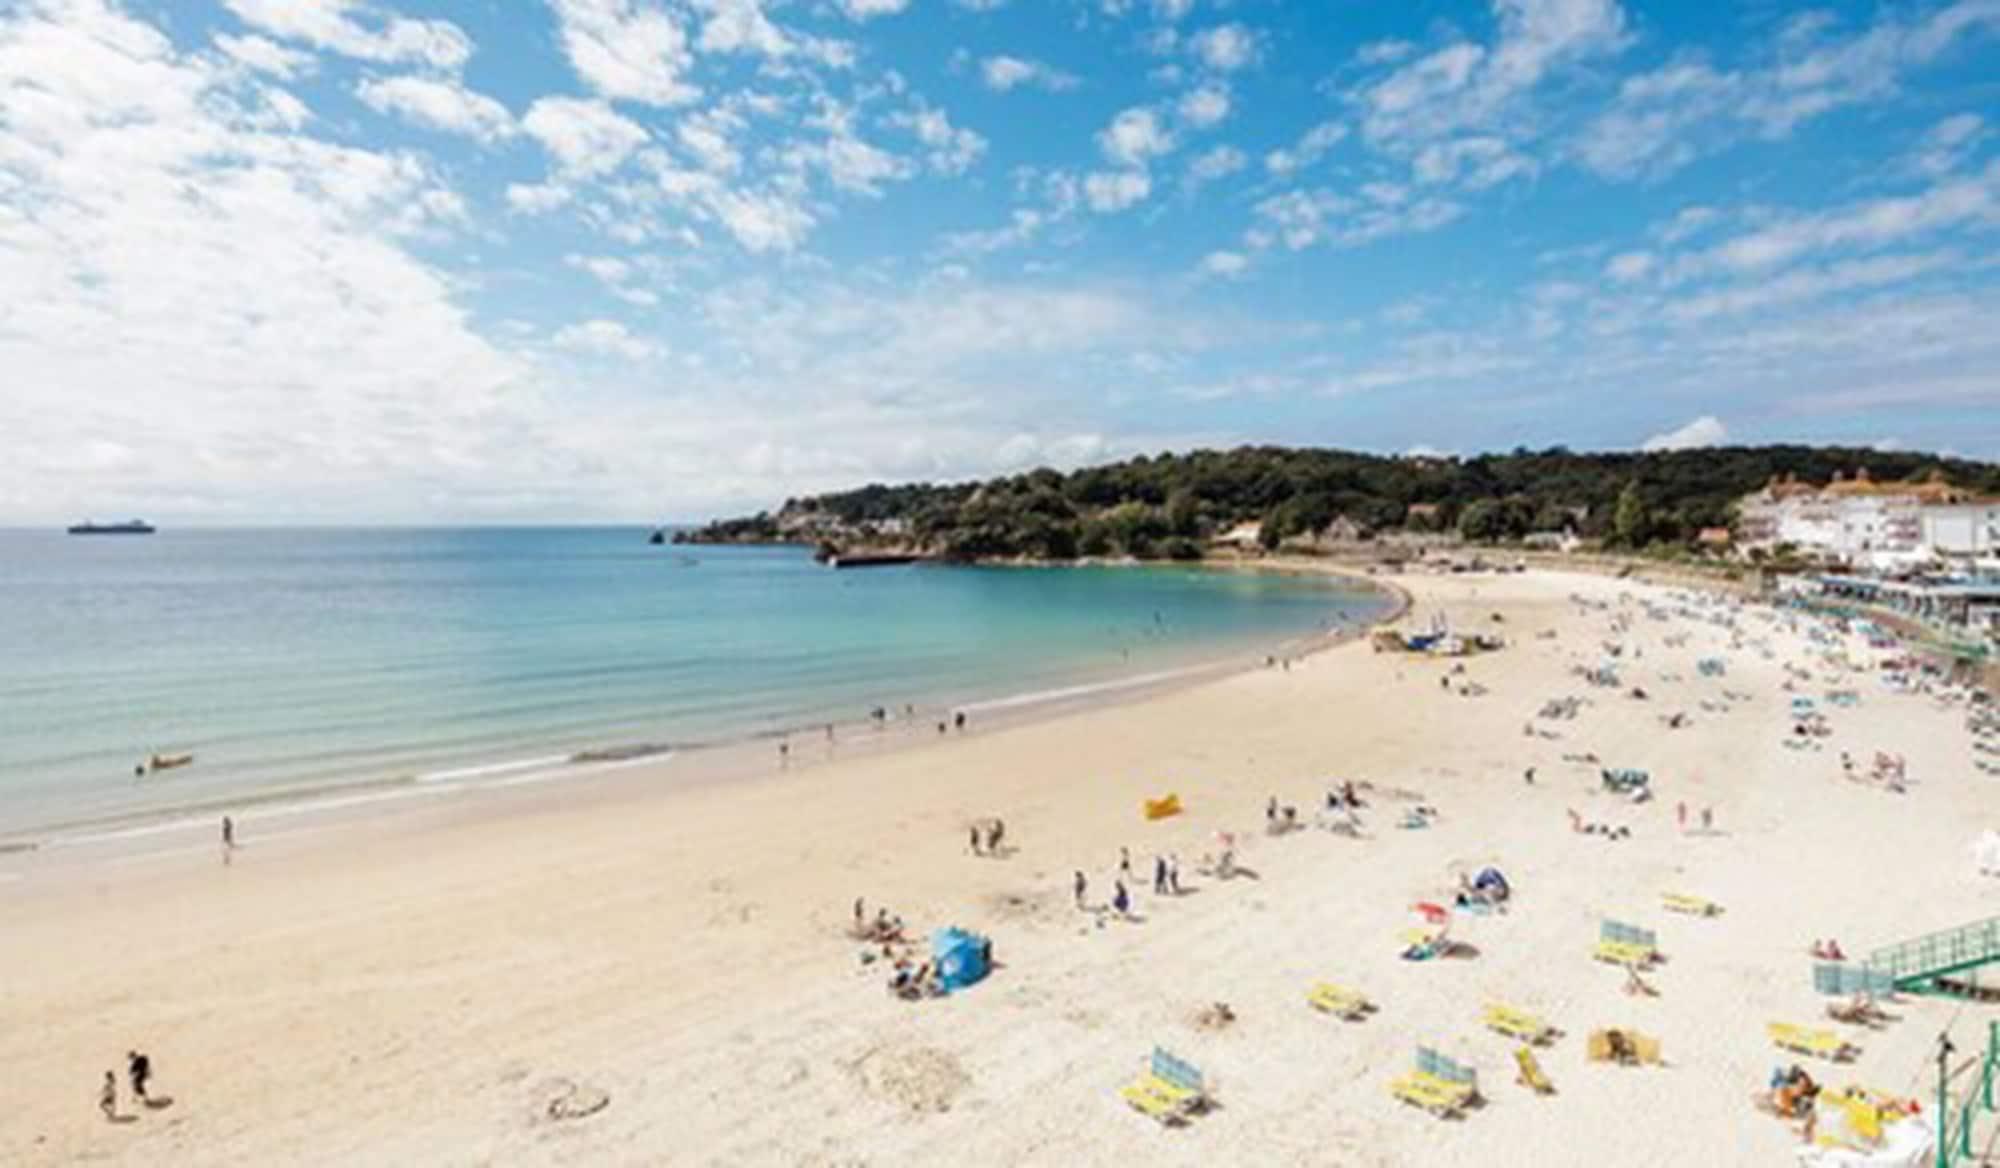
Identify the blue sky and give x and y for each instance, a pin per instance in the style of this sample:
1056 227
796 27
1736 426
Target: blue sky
395 260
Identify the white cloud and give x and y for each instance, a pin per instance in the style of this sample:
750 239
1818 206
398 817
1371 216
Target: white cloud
1475 162
707 140
629 50
356 29
586 138
1115 190
1628 266
1687 222
536 198
1947 145
1004 73
1300 219
1225 48
1386 52
617 276
870 9
1869 224
602 338
1217 163
274 332
1807 284
265 54
1134 137
1468 90
735 26
439 105
1664 119
1311 146
1706 430
948 149
1225 263
1203 107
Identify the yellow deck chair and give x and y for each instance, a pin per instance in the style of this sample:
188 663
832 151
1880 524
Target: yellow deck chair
1531 1075
1438 1085
1625 953
1645 1049
1168 1090
1818 1043
1693 906
1513 1023
1340 1001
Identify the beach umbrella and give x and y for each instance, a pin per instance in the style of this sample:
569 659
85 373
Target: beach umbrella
1436 914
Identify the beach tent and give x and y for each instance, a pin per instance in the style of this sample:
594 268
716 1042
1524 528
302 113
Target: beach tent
1491 879
959 957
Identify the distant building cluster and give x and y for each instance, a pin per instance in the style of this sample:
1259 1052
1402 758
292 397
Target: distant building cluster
1880 526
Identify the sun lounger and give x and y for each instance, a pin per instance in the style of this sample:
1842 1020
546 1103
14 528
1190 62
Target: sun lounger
1169 1090
1438 1085
1531 1075
1692 905
1818 1043
1340 1001
1517 1024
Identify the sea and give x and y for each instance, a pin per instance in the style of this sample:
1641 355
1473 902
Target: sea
308 660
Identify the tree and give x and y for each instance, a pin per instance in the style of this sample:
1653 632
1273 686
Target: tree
1183 512
1271 532
1629 521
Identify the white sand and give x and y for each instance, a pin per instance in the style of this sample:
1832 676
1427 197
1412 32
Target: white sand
401 991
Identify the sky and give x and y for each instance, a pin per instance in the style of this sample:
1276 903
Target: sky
267 261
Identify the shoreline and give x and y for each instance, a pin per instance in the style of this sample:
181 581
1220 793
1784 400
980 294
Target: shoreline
698 762
680 945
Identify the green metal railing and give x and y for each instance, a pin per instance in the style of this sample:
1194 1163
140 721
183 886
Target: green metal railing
1917 965
1954 1138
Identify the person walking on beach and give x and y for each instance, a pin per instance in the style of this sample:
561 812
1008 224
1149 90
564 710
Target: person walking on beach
1174 875
1080 886
228 834
958 721
1529 775
107 1097
1681 814
1124 863
994 836
973 833
1707 820
784 755
138 1068
1121 900
1159 875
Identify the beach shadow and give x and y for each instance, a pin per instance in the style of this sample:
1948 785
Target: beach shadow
122 1118
159 1102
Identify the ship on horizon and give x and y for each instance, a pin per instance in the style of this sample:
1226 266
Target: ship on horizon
129 527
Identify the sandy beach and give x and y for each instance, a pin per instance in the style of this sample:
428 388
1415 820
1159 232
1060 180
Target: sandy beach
412 988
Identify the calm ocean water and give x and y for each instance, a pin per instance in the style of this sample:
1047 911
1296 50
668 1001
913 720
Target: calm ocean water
304 657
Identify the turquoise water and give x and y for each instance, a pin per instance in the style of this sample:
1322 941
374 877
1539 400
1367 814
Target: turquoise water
307 657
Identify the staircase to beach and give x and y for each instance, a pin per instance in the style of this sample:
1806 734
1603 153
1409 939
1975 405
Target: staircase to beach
1944 963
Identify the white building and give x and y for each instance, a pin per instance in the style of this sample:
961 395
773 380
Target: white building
1963 532
1859 521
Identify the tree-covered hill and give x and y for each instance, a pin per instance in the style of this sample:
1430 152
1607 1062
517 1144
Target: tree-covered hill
1169 505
